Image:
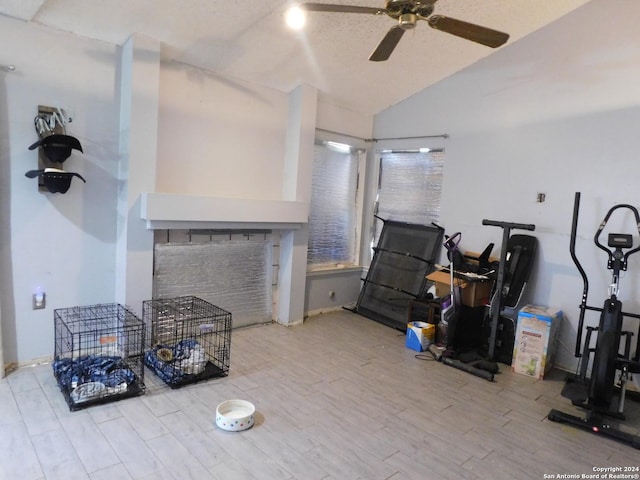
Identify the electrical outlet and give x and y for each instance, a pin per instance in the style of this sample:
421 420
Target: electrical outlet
39 301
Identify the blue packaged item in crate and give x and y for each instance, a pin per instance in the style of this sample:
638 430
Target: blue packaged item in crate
420 335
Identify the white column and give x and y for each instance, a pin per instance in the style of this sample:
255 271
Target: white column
139 98
296 187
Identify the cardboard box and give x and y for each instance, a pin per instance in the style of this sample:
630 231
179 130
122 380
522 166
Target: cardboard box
535 341
474 294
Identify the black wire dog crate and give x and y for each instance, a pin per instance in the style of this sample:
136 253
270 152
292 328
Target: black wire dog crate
99 353
189 340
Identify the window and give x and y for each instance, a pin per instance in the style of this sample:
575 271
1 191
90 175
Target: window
333 218
409 187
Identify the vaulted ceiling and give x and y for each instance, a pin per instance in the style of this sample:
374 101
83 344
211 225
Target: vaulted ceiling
248 40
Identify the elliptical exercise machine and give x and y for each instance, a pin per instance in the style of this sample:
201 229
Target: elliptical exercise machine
599 394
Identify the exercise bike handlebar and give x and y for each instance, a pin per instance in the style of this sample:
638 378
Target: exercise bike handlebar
520 226
497 308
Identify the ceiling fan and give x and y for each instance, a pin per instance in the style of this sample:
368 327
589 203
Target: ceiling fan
407 13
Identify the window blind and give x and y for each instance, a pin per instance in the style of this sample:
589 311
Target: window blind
332 218
409 187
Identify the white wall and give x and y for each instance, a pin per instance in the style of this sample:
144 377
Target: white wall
212 139
344 120
215 137
138 96
221 137
61 243
332 289
556 112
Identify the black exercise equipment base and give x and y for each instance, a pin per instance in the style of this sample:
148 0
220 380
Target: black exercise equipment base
594 424
465 367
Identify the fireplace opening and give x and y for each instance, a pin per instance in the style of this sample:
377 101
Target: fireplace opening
236 270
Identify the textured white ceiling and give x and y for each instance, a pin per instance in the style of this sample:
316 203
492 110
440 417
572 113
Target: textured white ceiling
248 40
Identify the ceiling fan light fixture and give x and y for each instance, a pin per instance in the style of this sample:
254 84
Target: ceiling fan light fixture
408 21
295 18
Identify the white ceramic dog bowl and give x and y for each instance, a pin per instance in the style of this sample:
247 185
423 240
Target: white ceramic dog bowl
235 415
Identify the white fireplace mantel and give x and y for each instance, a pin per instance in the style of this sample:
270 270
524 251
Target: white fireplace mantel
176 211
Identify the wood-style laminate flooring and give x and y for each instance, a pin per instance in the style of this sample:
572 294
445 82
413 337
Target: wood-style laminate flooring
337 398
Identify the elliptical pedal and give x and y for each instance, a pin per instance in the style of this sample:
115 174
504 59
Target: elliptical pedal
576 389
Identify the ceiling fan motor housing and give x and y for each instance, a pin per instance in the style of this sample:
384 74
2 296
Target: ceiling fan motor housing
398 8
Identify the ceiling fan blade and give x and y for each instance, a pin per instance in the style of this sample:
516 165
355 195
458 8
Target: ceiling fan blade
387 45
475 33
328 7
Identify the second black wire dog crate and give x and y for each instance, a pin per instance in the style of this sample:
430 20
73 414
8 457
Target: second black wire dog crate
189 339
98 354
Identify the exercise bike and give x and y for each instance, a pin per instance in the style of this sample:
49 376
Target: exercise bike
600 395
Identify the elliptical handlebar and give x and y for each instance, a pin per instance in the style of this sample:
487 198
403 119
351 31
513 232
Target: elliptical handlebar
596 237
572 249
585 280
